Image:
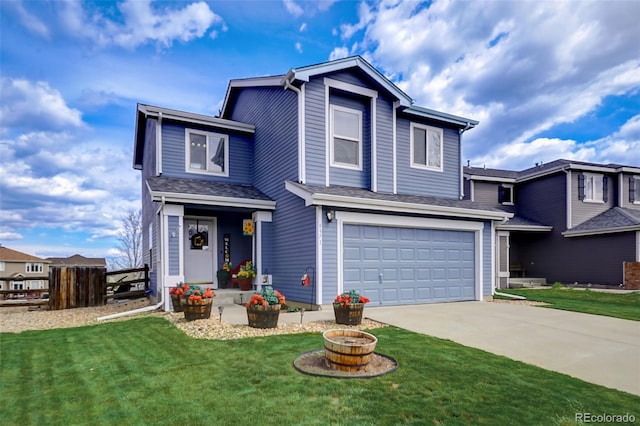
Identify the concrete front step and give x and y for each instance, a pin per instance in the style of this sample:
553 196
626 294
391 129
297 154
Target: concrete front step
231 296
526 282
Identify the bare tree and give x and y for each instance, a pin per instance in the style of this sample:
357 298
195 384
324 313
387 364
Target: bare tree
129 242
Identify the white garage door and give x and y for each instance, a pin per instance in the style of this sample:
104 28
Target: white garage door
393 265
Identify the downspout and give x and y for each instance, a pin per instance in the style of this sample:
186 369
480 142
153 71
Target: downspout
146 308
301 145
513 296
460 132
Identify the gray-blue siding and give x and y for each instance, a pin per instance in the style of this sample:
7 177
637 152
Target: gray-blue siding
149 207
329 260
426 182
173 154
487 266
274 113
348 177
174 247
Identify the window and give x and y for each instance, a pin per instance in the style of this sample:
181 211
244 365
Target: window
346 137
634 190
34 267
18 285
592 188
1 265
207 152
505 194
426 147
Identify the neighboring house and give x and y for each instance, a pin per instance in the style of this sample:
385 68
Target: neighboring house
573 221
328 170
78 260
15 264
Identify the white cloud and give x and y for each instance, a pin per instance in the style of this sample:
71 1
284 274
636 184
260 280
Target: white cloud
7 236
35 104
303 27
30 21
298 46
338 53
294 9
142 23
519 67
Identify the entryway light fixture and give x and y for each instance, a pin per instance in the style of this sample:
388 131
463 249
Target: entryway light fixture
330 215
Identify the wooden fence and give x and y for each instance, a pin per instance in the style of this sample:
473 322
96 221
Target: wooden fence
79 287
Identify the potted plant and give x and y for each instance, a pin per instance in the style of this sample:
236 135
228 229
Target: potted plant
245 276
196 302
263 309
348 307
176 294
224 275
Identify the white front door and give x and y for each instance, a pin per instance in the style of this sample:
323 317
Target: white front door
199 251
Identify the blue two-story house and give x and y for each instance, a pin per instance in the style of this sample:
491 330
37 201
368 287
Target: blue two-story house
329 170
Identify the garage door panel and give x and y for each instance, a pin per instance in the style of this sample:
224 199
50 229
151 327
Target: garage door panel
417 265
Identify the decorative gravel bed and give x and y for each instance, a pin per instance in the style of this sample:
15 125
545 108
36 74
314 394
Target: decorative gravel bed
17 319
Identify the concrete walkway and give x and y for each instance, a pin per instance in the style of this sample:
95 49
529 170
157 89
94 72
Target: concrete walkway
593 348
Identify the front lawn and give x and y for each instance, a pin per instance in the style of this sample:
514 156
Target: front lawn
618 305
145 371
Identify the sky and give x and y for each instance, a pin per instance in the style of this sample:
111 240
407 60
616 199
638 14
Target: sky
545 79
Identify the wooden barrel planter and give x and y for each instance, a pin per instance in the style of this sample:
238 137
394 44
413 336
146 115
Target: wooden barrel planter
263 316
350 314
198 309
348 350
177 304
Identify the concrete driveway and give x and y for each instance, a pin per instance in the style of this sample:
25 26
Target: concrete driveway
594 348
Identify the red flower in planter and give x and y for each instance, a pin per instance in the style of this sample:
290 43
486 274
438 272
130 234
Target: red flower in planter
349 297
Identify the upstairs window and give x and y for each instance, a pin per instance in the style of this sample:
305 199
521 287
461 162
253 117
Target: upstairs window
505 194
1 265
426 147
34 267
207 152
346 137
634 189
592 188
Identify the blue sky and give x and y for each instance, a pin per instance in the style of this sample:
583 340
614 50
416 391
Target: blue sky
546 80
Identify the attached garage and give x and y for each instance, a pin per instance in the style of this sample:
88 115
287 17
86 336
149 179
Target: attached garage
402 263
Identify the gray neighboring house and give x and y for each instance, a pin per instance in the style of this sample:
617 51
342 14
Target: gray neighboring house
573 221
328 170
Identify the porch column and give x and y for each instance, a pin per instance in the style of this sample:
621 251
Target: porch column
259 218
172 217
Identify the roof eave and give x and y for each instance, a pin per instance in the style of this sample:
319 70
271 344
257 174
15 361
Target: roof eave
212 200
319 199
189 117
630 228
442 116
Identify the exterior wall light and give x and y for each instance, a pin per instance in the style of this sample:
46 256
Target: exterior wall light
330 215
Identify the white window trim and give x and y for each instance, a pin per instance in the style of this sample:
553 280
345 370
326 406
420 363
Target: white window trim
34 267
588 198
508 203
2 265
637 184
332 135
427 129
208 135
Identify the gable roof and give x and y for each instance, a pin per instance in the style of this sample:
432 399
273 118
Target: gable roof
556 166
306 72
78 260
616 219
9 255
349 197
180 190
150 111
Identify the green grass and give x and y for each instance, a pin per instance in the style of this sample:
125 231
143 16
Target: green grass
618 305
145 371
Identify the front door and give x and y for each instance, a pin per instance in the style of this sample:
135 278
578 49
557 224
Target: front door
199 251
502 267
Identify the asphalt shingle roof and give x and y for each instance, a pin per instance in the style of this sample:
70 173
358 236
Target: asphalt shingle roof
346 191
203 187
616 217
